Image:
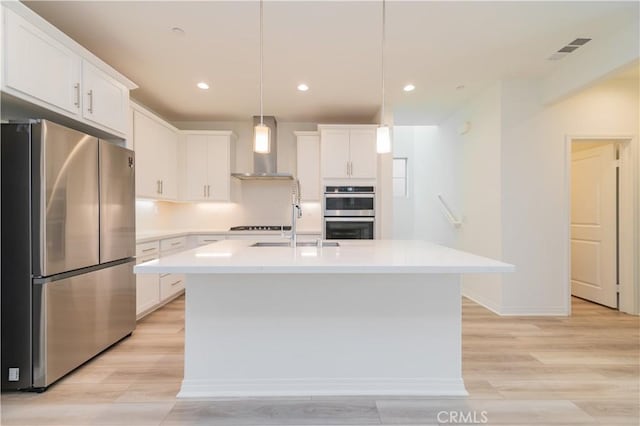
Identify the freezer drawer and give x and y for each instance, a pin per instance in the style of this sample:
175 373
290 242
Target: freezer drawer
76 318
117 203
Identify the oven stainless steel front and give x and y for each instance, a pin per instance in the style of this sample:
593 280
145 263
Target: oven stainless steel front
349 228
349 212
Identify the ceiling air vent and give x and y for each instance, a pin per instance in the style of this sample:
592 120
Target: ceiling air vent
564 51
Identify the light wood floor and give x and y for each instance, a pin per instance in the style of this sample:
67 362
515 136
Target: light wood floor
577 370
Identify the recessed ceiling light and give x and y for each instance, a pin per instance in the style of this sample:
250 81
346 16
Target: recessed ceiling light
303 87
177 31
409 88
202 85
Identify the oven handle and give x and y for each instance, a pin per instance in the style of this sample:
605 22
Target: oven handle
349 213
349 219
348 195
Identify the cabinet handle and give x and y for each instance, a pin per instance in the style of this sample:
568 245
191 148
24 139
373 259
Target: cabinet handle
90 108
158 187
204 190
77 88
347 168
351 168
176 283
208 190
176 243
149 249
161 186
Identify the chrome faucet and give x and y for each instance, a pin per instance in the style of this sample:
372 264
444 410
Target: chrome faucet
296 211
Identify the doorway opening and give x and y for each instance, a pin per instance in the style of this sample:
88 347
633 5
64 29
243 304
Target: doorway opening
601 222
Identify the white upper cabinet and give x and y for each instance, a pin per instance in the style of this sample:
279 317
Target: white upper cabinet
196 167
348 152
364 158
207 166
39 66
106 101
43 66
156 147
308 164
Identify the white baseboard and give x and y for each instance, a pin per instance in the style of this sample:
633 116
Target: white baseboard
480 300
534 311
510 311
321 387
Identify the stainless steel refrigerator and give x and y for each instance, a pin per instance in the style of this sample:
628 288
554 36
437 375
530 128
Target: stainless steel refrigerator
68 247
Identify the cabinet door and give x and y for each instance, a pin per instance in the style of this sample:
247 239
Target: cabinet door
364 159
196 167
169 162
170 284
334 153
218 167
106 101
308 166
149 156
147 289
39 66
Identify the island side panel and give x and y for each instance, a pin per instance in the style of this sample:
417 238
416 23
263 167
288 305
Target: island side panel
322 334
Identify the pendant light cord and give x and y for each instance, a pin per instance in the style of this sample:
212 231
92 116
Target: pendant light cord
261 61
384 17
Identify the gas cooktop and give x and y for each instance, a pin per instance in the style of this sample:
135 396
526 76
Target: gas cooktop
261 228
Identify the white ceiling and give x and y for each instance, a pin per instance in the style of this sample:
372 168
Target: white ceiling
332 46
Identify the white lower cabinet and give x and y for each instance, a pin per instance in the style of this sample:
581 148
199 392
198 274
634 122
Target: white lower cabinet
203 240
170 284
147 291
153 290
147 285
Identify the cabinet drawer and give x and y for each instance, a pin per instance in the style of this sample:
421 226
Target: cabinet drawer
202 240
171 284
171 244
148 249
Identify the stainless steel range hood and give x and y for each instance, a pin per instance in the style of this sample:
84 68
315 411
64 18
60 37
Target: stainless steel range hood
265 166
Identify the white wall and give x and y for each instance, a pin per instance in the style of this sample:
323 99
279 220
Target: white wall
535 211
432 168
513 184
479 194
404 208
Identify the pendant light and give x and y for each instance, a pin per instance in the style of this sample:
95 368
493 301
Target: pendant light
383 136
261 133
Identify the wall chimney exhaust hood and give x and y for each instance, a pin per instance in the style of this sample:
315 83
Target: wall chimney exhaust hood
265 166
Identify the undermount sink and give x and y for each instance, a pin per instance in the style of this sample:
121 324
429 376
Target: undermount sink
299 244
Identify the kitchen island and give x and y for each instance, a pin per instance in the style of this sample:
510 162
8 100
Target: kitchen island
379 317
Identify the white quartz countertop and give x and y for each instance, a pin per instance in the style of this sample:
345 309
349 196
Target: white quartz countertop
146 236
351 257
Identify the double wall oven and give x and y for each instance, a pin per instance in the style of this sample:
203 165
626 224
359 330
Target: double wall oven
349 212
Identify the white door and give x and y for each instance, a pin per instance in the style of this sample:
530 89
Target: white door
593 225
364 159
168 146
196 172
39 66
334 153
147 289
106 101
218 171
148 156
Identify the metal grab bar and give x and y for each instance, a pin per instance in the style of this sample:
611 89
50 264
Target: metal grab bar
448 213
